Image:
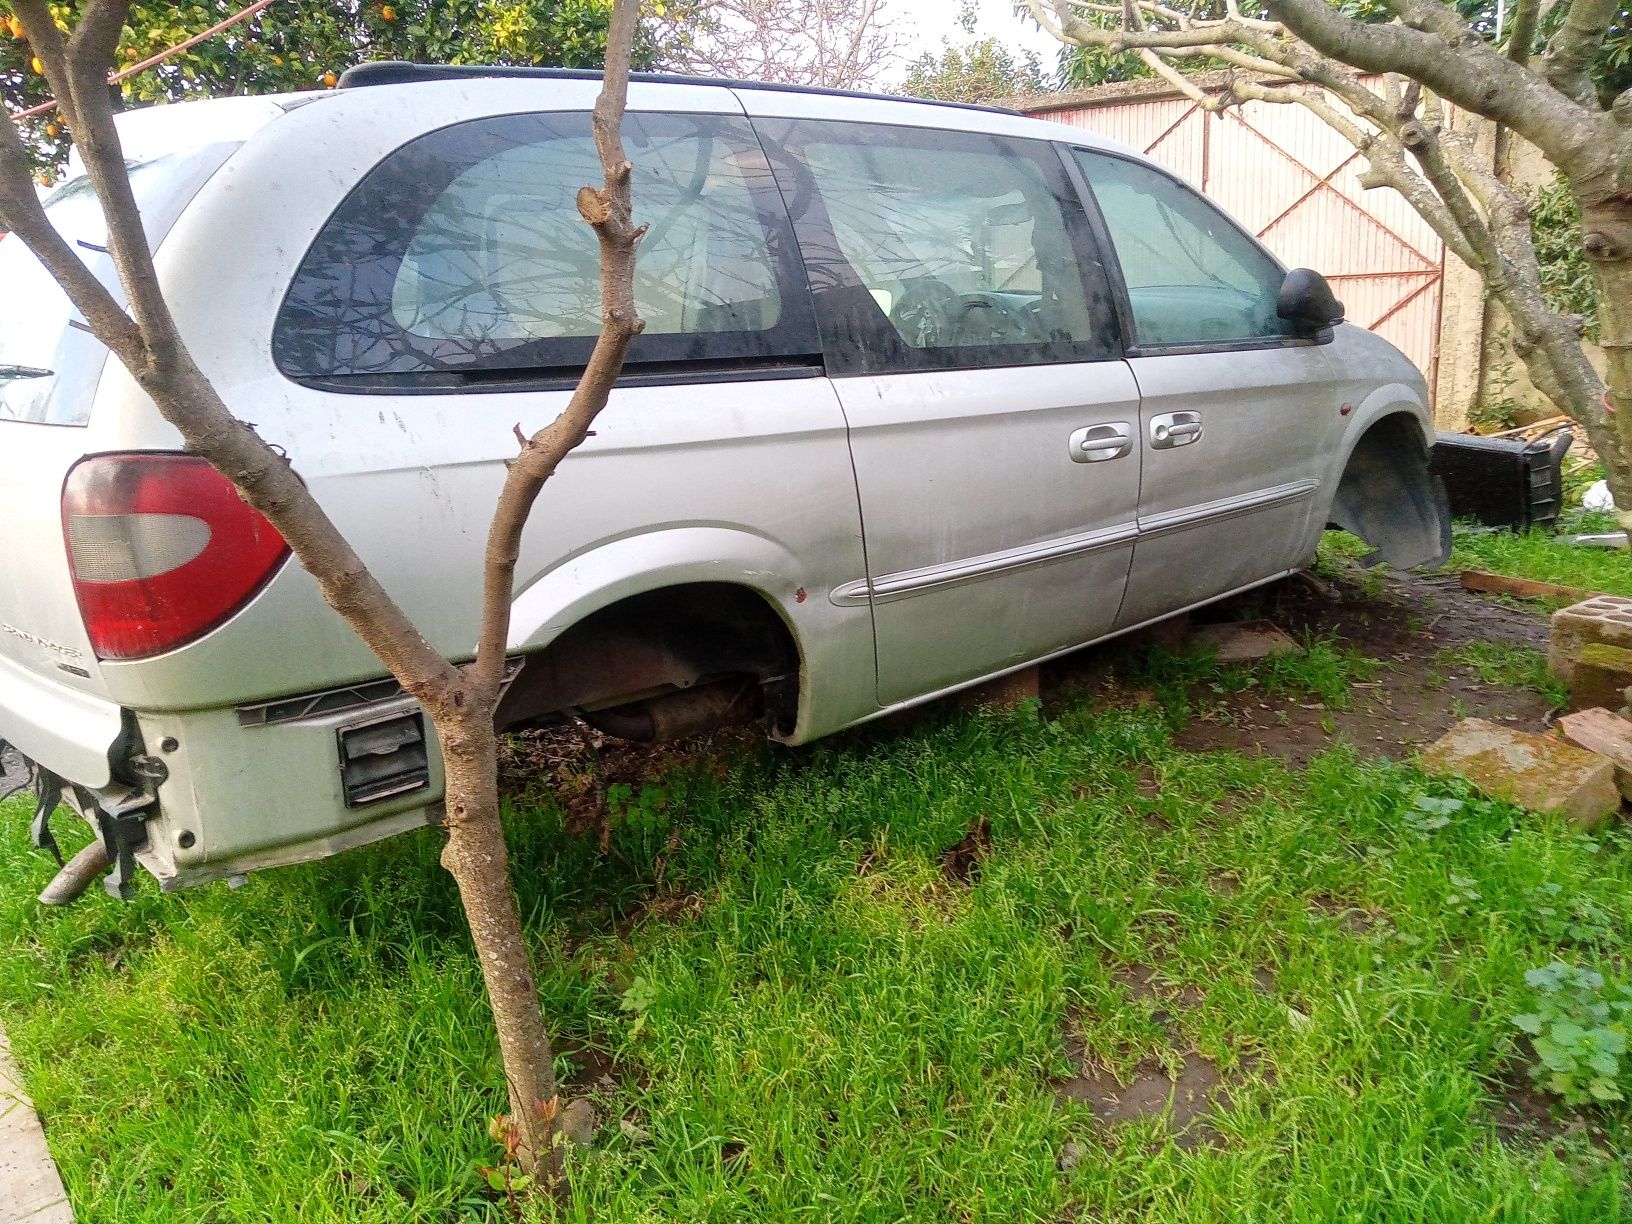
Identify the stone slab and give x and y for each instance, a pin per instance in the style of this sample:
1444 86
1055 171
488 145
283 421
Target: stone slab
30 1188
1605 619
1600 677
1539 772
1245 641
1607 734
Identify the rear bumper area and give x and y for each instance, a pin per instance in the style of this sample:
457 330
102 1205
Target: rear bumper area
202 795
70 733
244 791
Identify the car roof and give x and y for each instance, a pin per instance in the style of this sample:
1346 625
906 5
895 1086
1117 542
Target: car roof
379 89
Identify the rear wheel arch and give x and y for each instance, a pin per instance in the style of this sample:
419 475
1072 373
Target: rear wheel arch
644 651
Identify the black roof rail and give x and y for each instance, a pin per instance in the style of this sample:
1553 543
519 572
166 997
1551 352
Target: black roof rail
401 72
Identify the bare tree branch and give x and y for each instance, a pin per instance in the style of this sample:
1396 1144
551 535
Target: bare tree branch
1521 35
1568 62
1466 71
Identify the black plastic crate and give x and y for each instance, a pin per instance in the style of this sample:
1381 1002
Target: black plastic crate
1504 482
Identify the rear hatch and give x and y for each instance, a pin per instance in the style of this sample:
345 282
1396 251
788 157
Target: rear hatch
52 697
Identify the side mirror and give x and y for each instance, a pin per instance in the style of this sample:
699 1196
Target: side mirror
1307 300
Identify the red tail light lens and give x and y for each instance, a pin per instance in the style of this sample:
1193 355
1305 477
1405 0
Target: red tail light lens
162 550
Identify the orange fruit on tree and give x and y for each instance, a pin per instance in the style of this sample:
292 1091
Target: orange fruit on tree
52 130
329 79
34 63
388 13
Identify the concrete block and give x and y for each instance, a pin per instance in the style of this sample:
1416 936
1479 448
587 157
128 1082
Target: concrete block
1607 734
1600 676
1603 619
1245 641
1004 693
1539 772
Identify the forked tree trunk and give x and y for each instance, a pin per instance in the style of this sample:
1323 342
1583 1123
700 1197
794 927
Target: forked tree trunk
461 701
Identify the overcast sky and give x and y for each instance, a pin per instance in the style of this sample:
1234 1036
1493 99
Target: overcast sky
926 22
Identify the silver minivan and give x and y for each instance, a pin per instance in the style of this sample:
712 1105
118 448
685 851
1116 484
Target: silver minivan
927 393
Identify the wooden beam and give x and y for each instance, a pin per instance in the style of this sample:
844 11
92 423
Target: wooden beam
1522 588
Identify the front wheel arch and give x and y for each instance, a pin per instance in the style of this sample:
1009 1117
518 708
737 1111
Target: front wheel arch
1390 496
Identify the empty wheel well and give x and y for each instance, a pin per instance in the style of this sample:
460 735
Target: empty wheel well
657 643
1390 497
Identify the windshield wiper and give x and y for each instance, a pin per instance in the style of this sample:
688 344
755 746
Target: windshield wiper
22 371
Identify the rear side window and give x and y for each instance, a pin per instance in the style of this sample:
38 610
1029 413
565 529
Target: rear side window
463 256
49 362
1192 276
933 250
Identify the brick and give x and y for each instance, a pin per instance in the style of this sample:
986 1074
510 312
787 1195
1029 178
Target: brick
1603 619
1171 634
1004 693
1245 642
1600 676
1539 772
1607 734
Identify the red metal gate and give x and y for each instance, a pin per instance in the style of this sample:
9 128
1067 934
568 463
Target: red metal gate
1295 183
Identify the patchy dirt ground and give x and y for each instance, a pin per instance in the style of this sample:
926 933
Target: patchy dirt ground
1413 700
1184 1089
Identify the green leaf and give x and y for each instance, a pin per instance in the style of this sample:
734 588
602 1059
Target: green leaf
1530 1022
1566 1033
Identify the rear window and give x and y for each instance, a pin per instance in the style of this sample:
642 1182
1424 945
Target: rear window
462 256
49 364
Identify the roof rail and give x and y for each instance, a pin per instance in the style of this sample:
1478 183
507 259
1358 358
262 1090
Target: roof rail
401 72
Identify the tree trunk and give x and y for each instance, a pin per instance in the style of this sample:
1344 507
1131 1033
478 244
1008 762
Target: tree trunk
476 857
1607 229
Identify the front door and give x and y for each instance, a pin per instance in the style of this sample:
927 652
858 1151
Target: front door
971 336
1235 409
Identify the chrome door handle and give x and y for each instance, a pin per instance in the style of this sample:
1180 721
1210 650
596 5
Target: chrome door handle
1172 429
1097 443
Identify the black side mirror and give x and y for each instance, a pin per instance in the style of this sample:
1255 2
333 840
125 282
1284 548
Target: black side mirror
1307 300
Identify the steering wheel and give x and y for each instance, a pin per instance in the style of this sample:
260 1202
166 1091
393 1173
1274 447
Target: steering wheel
984 321
926 314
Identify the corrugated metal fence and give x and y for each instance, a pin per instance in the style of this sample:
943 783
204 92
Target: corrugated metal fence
1295 183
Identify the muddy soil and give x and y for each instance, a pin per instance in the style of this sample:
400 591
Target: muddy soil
1415 697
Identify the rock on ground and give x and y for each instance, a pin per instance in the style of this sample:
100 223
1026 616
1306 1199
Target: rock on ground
1534 771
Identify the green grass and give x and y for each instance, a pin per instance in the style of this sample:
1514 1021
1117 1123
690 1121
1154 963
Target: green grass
1505 664
832 1029
1544 557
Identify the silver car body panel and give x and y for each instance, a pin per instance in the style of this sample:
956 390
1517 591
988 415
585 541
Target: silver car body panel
988 545
1236 501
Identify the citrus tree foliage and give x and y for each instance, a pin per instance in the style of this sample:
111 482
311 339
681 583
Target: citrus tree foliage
299 44
979 70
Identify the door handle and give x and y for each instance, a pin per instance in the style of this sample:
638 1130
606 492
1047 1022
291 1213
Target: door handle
1097 443
1171 429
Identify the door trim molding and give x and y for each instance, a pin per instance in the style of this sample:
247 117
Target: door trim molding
904 584
907 583
1226 508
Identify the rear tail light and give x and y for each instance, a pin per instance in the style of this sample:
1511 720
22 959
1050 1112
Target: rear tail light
162 550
